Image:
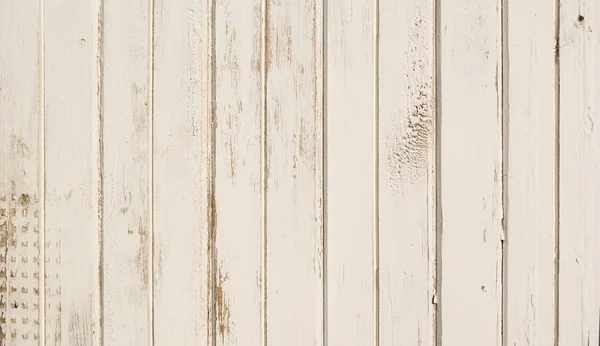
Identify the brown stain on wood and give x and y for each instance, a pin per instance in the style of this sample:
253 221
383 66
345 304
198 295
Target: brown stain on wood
222 306
141 259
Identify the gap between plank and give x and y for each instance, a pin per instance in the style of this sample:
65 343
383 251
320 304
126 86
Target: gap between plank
376 181
439 225
151 170
505 152
42 176
263 166
100 163
325 175
556 171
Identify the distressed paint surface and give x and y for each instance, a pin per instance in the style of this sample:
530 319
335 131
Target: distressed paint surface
406 173
238 230
125 179
72 169
351 144
294 171
180 173
470 168
530 175
579 271
20 122
299 172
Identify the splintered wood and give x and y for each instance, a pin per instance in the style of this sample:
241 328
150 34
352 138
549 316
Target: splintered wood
307 172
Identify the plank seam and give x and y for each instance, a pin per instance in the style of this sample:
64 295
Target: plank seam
151 171
556 171
505 152
100 163
325 175
376 174
263 166
438 173
42 177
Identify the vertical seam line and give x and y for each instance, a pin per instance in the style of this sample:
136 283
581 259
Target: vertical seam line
42 176
100 110
557 172
151 171
325 179
439 220
505 150
263 166
376 171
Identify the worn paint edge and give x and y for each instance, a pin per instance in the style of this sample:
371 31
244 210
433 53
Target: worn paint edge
376 173
264 46
504 72
557 27
439 224
100 164
325 55
150 233
42 175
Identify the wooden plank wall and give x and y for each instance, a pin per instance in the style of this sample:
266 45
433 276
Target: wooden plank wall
300 172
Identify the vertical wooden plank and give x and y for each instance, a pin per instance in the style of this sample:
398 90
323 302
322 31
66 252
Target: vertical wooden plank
238 233
530 192
181 241
469 97
126 205
72 56
19 189
350 180
407 180
294 172
579 281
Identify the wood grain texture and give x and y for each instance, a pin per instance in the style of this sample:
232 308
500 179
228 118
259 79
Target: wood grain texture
127 156
294 273
351 145
238 228
72 61
470 96
531 185
181 237
20 120
406 176
579 280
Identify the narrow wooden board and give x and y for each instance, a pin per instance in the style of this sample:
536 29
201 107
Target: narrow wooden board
72 65
530 135
470 195
20 116
238 228
406 173
294 173
127 117
351 141
579 280
181 173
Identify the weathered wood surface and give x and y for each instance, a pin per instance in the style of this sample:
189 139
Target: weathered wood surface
268 172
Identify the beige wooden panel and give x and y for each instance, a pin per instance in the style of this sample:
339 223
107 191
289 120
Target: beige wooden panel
406 173
530 190
470 168
181 173
294 173
579 180
20 125
351 143
73 169
238 229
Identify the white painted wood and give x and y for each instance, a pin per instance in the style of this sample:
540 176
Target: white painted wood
126 206
19 189
181 261
72 172
294 173
531 186
470 96
238 233
579 280
350 160
406 173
